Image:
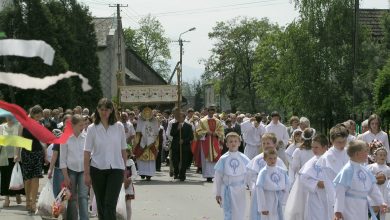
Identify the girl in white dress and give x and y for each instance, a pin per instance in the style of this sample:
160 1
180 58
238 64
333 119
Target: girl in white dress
382 173
296 142
302 154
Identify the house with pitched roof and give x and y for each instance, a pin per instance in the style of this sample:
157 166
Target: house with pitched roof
136 70
372 19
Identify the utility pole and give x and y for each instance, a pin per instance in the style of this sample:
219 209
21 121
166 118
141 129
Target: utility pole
120 73
355 52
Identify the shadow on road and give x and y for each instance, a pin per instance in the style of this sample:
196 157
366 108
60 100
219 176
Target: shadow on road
170 182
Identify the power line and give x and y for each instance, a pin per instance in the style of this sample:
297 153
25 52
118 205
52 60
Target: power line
131 19
134 11
216 8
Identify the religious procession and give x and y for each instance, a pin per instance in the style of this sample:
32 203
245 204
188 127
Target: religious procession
99 120
289 171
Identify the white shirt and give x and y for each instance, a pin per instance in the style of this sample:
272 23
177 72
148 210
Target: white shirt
279 130
381 136
188 121
72 153
350 138
245 126
130 129
6 130
168 132
106 146
253 135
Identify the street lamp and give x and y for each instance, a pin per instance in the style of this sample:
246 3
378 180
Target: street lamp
179 79
180 67
181 45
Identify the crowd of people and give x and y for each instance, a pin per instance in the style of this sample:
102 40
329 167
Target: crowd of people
278 164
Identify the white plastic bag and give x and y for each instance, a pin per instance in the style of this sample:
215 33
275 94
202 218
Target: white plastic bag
16 182
46 200
121 213
94 211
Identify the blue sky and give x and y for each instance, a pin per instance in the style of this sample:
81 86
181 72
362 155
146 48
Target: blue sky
179 15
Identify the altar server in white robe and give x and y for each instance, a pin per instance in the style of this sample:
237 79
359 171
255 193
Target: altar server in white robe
320 191
330 163
336 157
356 189
281 133
382 174
252 138
271 188
230 180
268 141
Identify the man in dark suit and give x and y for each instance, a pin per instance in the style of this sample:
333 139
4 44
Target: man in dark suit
182 135
236 128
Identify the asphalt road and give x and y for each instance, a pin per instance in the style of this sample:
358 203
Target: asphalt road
160 199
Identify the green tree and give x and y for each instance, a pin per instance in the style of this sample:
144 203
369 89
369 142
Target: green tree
79 48
67 27
232 59
307 68
150 43
382 92
199 94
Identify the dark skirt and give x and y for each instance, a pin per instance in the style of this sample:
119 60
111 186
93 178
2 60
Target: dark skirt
32 164
6 172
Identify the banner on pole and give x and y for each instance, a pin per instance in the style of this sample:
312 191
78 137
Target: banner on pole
149 94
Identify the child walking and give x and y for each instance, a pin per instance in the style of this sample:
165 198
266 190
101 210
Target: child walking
229 179
296 142
271 188
131 173
382 173
302 154
268 141
320 192
354 185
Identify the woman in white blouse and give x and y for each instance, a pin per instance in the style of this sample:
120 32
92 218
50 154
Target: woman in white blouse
375 133
104 158
72 166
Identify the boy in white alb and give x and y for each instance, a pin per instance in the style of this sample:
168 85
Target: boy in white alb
268 141
336 157
320 191
356 189
382 173
229 179
271 188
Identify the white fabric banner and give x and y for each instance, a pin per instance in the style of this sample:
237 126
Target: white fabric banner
27 48
24 81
